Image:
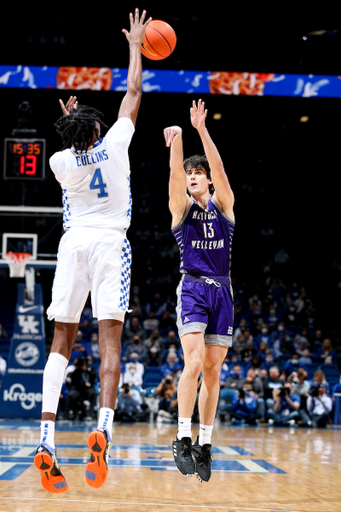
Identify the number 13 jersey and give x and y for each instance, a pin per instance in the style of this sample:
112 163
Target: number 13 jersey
204 238
96 183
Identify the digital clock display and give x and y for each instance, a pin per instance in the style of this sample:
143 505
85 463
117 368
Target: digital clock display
24 159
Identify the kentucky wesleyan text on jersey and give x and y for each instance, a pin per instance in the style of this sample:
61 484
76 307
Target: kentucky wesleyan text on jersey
96 184
204 238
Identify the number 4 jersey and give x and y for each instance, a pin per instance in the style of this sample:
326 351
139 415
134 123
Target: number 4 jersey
204 238
96 183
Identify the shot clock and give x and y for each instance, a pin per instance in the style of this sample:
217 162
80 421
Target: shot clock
24 159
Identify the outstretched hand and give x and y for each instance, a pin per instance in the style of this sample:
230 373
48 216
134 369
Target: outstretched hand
171 134
198 115
71 104
137 27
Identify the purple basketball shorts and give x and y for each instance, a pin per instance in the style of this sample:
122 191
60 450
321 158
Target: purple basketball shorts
205 305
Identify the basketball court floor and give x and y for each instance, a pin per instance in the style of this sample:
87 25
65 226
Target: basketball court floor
254 469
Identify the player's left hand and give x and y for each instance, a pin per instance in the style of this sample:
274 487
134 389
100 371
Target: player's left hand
198 115
71 104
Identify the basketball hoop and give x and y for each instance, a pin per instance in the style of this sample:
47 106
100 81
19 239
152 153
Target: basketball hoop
17 263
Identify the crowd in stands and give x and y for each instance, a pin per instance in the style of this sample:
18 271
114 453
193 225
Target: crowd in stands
280 370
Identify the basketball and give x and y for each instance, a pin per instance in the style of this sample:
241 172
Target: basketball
159 40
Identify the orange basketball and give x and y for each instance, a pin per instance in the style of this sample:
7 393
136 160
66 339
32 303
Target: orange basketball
159 40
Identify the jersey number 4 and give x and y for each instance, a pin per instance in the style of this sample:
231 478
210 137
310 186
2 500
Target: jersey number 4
97 182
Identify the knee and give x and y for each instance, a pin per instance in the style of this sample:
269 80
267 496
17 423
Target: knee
193 366
212 372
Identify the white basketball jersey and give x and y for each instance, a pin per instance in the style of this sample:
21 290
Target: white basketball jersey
96 184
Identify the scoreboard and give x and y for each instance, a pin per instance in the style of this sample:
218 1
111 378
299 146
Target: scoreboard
24 159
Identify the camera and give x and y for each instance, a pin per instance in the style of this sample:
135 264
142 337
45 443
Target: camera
314 392
168 381
242 393
284 392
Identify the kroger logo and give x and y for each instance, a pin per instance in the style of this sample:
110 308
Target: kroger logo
17 393
26 354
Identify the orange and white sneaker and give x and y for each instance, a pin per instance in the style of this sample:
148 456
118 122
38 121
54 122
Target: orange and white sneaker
96 470
52 478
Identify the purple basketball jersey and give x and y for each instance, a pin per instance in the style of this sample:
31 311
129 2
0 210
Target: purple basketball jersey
204 238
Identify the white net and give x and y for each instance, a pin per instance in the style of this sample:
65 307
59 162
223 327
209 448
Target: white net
17 263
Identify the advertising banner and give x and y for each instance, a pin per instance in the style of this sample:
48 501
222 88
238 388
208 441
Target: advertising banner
171 81
20 392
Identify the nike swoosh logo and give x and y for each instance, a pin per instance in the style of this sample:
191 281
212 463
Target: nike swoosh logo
23 309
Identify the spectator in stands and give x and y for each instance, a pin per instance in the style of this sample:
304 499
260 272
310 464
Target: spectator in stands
292 364
137 347
134 329
319 378
319 406
235 380
151 323
155 304
290 316
94 345
273 382
154 340
263 336
165 390
286 406
305 357
239 345
3 366
243 326
253 385
136 307
244 408
171 364
272 319
82 388
255 363
279 332
3 333
166 322
153 357
172 339
300 384
301 340
326 353
79 349
134 371
248 352
85 321
317 340
130 406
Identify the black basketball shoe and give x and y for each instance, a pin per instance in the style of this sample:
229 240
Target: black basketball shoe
203 459
182 452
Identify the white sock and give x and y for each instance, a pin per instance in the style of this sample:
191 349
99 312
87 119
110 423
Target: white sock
184 428
205 434
105 420
47 435
52 381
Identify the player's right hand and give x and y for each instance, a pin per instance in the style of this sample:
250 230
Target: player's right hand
171 134
71 104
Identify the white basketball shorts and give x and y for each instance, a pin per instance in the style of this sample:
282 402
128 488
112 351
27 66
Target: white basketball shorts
96 260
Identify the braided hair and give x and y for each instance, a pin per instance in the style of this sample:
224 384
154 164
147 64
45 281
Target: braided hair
79 127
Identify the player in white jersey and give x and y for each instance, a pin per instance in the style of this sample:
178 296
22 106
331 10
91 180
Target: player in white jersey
94 255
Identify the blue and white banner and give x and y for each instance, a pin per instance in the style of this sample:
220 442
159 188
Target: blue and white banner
171 81
20 393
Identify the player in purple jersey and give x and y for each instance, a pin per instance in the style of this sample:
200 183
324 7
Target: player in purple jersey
202 224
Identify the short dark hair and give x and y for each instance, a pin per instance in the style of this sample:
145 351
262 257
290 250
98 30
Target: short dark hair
199 162
79 127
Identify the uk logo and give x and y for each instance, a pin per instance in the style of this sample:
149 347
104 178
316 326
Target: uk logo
28 324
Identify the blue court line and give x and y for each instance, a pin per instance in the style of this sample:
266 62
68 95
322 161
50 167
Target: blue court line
7 449
269 467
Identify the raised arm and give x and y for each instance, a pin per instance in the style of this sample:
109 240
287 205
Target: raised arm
223 193
131 101
178 198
